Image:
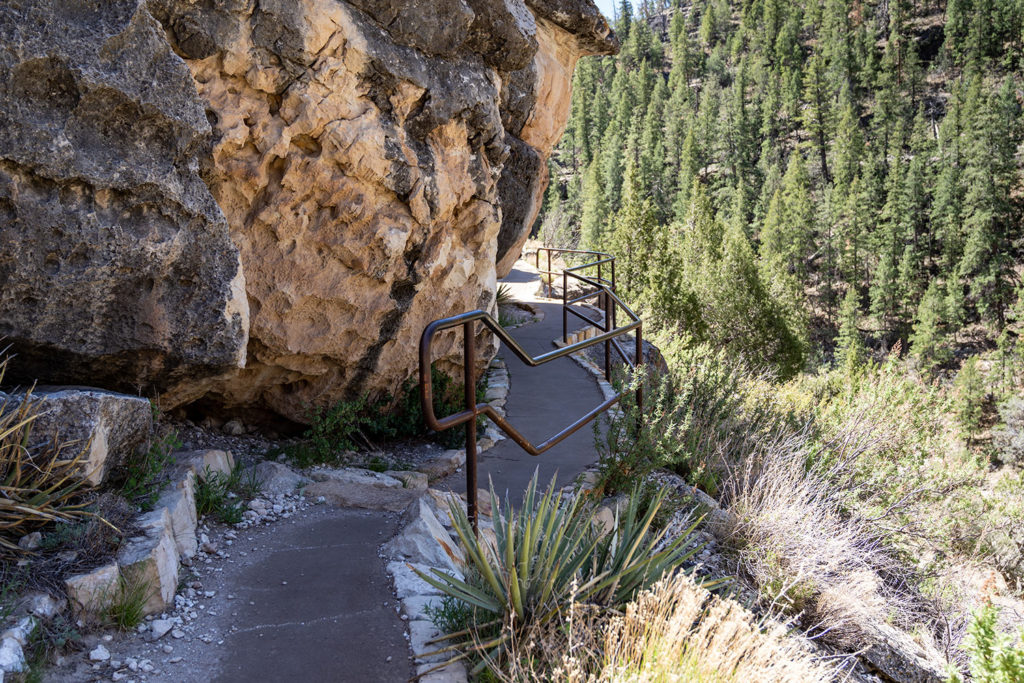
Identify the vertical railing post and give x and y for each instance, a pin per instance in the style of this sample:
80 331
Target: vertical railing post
549 280
565 307
639 363
469 370
608 306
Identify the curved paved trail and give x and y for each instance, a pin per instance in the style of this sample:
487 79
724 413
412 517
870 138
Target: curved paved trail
541 402
309 599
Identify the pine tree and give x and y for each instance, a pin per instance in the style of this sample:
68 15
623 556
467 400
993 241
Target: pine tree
787 239
816 117
850 350
946 211
849 145
991 217
594 210
927 343
689 166
634 235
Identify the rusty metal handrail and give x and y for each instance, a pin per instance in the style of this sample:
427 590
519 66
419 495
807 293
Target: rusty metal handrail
599 283
472 410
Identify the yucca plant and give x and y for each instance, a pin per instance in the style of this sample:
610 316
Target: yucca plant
547 554
37 485
503 296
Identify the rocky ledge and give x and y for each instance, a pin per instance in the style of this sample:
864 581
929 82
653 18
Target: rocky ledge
264 204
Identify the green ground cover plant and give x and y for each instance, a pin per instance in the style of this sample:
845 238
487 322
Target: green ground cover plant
144 472
224 496
356 425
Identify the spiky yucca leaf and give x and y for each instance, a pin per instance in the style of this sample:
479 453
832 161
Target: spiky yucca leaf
546 554
503 296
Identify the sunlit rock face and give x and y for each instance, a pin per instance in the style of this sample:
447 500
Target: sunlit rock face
371 165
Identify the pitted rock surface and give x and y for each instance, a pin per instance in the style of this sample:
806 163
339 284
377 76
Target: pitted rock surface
371 165
116 266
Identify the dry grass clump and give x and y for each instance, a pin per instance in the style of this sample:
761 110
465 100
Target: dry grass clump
38 486
808 556
674 632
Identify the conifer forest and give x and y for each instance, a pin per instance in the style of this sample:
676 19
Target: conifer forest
806 183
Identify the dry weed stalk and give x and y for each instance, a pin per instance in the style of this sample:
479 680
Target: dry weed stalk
805 552
674 632
38 485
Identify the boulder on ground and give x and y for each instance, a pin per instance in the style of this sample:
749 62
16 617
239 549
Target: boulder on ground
209 460
91 592
411 480
150 562
109 427
275 478
12 644
444 464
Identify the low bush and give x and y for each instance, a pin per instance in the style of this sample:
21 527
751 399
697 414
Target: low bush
144 472
995 657
223 495
545 556
694 420
354 425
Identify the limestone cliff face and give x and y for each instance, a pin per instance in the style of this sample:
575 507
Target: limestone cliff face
116 267
375 163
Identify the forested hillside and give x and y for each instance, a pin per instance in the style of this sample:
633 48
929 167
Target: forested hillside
817 208
800 181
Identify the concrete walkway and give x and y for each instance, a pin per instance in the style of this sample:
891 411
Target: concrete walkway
541 402
318 606
309 599
305 599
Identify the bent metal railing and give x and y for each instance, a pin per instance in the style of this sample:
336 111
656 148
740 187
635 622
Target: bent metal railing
599 284
608 333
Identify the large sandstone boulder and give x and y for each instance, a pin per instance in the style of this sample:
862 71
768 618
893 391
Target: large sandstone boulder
379 163
101 428
116 266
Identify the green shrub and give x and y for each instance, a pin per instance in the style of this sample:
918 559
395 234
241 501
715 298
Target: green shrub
969 395
690 418
995 657
406 418
451 615
547 555
144 472
351 425
223 495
